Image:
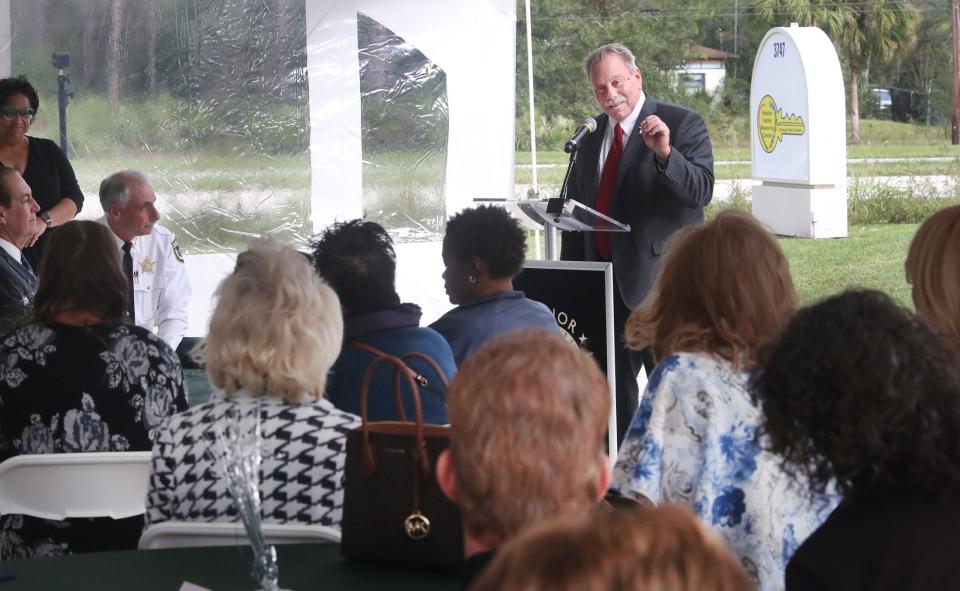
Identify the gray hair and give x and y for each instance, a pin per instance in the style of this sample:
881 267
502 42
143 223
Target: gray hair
599 54
114 190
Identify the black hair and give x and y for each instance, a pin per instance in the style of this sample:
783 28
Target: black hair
490 234
357 259
858 390
19 85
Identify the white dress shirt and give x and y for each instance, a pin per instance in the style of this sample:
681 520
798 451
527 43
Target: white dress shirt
627 124
161 290
12 250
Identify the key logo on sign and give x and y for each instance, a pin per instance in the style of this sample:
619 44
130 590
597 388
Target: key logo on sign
772 125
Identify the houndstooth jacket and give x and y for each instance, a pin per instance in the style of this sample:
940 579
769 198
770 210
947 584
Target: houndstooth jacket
303 448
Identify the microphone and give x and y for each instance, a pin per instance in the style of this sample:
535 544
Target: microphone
588 126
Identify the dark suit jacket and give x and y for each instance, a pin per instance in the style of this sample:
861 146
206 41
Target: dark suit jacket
886 539
654 203
17 288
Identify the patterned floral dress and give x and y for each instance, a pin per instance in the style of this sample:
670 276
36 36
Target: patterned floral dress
81 389
693 441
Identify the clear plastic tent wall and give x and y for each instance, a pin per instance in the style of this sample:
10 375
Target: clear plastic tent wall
279 117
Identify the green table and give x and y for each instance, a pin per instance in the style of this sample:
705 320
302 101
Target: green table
302 567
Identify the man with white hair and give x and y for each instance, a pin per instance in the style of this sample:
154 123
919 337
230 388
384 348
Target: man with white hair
649 164
158 288
18 220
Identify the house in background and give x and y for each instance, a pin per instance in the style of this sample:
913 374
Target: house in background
704 71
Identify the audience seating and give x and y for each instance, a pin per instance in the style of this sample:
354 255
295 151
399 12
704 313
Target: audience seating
179 534
58 486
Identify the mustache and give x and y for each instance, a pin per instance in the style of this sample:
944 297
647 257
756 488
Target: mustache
616 102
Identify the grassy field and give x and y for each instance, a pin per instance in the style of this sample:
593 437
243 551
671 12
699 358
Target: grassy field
872 256
741 170
217 199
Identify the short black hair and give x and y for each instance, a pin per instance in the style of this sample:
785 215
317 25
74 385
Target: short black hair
358 261
19 85
858 390
490 234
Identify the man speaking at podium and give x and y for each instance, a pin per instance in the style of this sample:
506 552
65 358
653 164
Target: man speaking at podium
649 164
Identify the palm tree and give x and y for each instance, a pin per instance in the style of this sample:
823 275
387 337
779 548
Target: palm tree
884 30
865 31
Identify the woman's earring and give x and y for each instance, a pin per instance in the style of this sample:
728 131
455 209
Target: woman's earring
472 278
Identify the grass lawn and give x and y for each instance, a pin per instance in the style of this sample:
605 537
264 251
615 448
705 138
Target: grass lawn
872 257
741 170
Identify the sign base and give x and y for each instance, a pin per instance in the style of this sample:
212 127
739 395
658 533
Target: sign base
802 212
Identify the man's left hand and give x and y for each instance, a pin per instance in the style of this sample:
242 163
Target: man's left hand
656 135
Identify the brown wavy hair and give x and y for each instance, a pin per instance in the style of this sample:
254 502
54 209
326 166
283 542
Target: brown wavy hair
662 547
723 288
81 271
933 270
528 412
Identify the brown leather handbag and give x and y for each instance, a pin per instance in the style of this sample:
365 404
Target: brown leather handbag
393 508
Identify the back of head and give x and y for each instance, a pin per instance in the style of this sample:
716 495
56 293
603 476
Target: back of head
276 328
357 259
657 548
858 389
81 272
722 288
528 413
933 269
490 234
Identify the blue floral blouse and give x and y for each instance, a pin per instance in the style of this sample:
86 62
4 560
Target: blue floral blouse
693 441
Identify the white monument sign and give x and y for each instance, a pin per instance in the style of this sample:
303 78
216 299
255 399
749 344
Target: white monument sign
798 134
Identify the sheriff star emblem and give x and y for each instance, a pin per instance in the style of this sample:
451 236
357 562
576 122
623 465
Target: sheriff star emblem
147 265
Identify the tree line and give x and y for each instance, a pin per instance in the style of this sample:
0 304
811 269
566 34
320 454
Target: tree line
195 49
896 43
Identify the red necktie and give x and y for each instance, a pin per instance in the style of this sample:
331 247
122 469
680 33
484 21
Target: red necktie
608 180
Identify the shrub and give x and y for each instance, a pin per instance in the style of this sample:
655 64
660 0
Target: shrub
870 203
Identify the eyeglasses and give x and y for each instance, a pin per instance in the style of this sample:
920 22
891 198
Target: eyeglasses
10 113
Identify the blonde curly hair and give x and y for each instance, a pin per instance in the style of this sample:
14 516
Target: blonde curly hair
277 327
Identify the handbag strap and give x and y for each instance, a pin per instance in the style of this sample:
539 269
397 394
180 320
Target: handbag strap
419 378
397 395
421 459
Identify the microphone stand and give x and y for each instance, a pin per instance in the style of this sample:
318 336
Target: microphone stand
555 205
555 208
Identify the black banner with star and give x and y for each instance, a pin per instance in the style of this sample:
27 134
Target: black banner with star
576 294
580 295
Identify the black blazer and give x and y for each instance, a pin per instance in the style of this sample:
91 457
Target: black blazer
654 203
17 288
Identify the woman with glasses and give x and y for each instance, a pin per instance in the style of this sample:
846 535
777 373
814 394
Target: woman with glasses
39 161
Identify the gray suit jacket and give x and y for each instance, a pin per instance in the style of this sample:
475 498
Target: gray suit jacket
17 288
654 203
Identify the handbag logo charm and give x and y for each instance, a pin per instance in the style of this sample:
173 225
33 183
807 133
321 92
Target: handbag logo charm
417 525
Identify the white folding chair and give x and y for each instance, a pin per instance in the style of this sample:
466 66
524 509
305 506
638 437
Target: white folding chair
58 486
180 534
